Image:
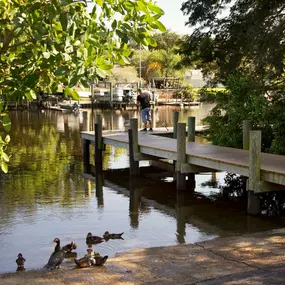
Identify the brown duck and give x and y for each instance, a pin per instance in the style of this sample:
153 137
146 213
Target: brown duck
108 236
93 239
20 262
69 247
56 257
87 260
100 260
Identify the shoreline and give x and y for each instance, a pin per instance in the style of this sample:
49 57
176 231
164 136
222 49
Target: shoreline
259 256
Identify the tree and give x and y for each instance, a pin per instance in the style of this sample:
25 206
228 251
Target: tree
241 43
245 36
45 43
166 41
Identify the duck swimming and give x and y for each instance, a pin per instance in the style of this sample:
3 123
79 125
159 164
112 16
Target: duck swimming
20 262
69 247
93 239
56 257
108 236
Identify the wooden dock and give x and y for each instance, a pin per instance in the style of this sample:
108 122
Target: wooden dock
265 172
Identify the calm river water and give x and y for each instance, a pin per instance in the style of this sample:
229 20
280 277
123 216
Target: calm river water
45 195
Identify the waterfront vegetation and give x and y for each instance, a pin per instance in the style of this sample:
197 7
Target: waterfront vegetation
244 50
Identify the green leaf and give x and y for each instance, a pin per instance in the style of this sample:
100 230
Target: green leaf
142 6
105 66
73 80
152 42
46 55
101 73
31 80
5 156
6 123
4 167
63 21
75 95
61 71
33 94
114 25
154 8
7 139
160 26
67 92
99 2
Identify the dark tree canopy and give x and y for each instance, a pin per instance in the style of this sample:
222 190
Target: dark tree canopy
242 35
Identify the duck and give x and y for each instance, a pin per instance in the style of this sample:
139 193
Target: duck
93 239
20 262
100 260
91 254
56 257
69 247
87 260
108 236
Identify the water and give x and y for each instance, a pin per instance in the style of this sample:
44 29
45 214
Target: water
45 195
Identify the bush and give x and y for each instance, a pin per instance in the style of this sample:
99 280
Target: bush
186 93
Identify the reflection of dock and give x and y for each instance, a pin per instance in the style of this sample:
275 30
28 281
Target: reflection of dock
205 215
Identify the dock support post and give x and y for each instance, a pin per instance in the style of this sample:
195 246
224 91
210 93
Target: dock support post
98 144
253 202
86 155
175 122
191 138
246 128
191 129
181 156
111 95
133 147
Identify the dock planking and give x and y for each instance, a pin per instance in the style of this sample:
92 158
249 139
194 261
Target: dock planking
212 157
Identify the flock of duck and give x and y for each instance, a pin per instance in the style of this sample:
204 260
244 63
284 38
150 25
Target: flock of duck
91 258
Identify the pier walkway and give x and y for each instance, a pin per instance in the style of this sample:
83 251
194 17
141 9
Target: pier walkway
203 155
176 150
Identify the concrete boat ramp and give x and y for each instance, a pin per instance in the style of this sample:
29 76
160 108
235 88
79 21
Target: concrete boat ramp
250 259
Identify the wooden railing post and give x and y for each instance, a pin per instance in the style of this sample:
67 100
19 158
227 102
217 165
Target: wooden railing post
133 146
246 128
191 129
253 204
181 156
175 121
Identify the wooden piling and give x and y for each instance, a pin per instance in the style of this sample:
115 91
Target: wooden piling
253 204
133 146
98 144
246 128
181 156
86 155
111 95
175 121
191 129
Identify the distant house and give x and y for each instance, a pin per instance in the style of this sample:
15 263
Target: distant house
195 78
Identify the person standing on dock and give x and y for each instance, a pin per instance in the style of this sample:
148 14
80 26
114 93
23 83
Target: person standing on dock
143 100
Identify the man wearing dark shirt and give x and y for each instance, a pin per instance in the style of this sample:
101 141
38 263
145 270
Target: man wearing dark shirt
143 100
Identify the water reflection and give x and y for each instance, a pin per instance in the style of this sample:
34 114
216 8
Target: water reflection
44 195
